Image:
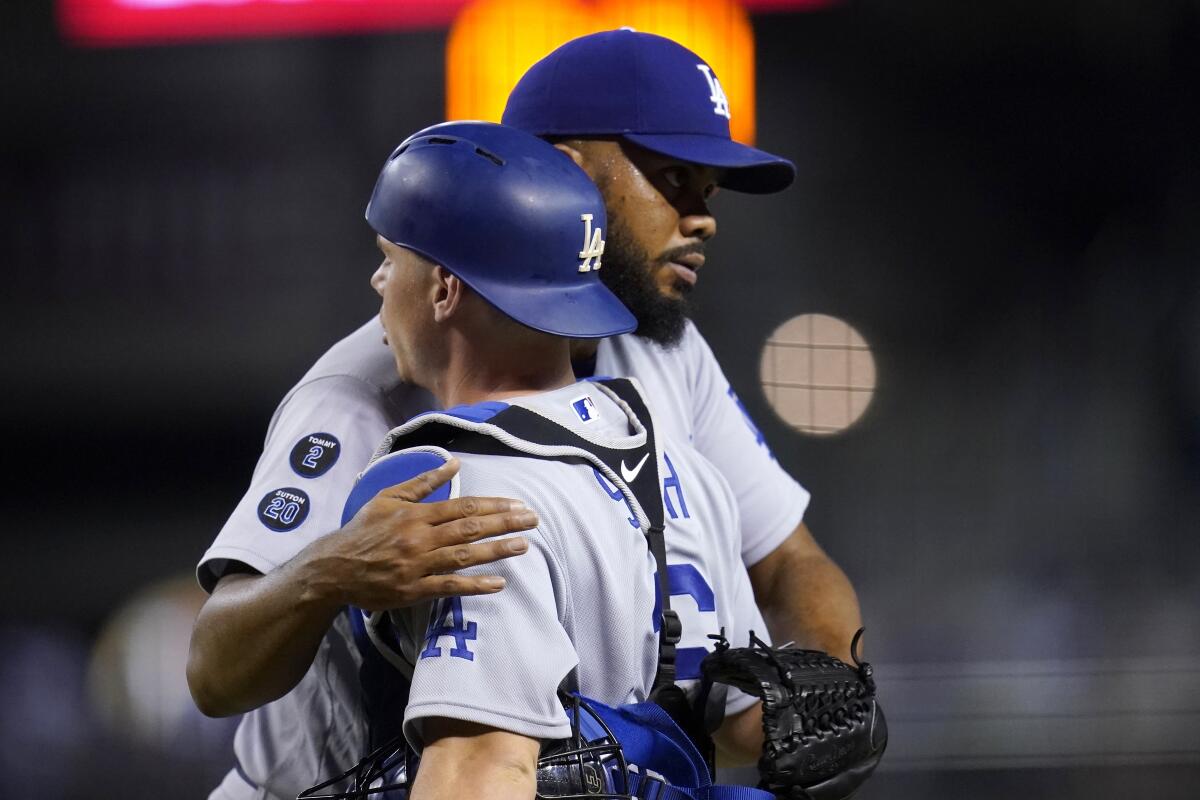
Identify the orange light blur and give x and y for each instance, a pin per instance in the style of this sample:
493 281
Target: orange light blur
493 42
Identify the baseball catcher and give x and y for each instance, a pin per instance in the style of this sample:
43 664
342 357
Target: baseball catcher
823 729
482 291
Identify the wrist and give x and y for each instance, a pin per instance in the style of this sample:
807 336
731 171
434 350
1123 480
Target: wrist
315 575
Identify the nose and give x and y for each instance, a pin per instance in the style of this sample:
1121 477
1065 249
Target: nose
379 278
699 225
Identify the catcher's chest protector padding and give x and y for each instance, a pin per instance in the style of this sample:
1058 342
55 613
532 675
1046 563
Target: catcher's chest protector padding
517 430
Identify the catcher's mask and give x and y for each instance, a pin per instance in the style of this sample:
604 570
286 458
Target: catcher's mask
589 765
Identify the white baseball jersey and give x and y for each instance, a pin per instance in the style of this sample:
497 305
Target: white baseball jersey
326 429
578 609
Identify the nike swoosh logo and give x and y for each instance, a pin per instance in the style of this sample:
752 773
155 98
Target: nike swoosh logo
630 475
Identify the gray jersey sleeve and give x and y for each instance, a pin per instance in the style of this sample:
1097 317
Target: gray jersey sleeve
770 502
319 439
497 660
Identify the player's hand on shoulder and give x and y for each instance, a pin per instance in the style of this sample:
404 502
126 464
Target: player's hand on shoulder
397 551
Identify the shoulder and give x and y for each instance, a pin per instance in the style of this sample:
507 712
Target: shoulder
361 355
360 365
693 341
685 459
690 341
630 354
356 379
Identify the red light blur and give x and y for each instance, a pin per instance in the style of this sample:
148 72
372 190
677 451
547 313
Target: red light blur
116 23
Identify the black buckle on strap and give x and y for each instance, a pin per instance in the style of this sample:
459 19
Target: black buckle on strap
672 626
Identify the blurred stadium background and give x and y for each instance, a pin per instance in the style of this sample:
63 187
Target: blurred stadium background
972 329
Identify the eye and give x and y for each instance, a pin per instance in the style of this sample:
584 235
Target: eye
675 177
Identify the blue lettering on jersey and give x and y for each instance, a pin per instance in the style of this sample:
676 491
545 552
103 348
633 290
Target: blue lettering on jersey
685 579
615 494
447 620
672 482
758 436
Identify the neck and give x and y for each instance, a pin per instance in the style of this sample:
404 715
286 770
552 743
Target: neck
584 348
477 372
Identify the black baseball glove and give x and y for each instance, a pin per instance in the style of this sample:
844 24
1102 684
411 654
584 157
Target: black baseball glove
824 731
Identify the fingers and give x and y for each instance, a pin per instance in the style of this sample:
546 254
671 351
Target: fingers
416 489
472 529
453 585
462 507
432 587
449 559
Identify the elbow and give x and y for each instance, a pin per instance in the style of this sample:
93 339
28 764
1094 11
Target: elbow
203 692
209 704
205 687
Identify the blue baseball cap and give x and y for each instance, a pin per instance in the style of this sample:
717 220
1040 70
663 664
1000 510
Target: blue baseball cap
649 90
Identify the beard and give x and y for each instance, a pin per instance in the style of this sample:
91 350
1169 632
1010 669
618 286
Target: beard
629 273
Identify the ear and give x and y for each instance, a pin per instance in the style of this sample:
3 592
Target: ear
571 150
448 294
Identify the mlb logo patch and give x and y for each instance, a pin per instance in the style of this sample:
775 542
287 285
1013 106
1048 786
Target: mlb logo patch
585 408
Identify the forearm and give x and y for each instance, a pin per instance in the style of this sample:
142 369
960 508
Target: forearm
469 760
805 597
739 740
257 635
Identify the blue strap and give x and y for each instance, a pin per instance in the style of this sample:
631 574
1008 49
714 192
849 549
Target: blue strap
650 738
737 793
649 788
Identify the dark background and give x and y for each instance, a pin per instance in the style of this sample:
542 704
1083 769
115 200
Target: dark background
1002 197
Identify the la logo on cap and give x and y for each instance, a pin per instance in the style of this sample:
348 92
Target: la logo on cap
593 245
715 93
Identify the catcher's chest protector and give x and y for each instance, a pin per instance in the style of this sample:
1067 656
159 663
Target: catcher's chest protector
522 431
665 730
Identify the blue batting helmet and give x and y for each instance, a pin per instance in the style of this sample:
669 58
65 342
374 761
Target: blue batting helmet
511 216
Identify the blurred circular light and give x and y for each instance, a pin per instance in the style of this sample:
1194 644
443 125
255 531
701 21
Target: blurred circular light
137 676
817 373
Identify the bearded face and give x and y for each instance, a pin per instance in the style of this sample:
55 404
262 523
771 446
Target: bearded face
633 276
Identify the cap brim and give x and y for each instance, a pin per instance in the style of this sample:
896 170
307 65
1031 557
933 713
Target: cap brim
746 169
583 311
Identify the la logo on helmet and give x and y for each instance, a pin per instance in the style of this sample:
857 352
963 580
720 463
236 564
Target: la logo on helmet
593 245
716 93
